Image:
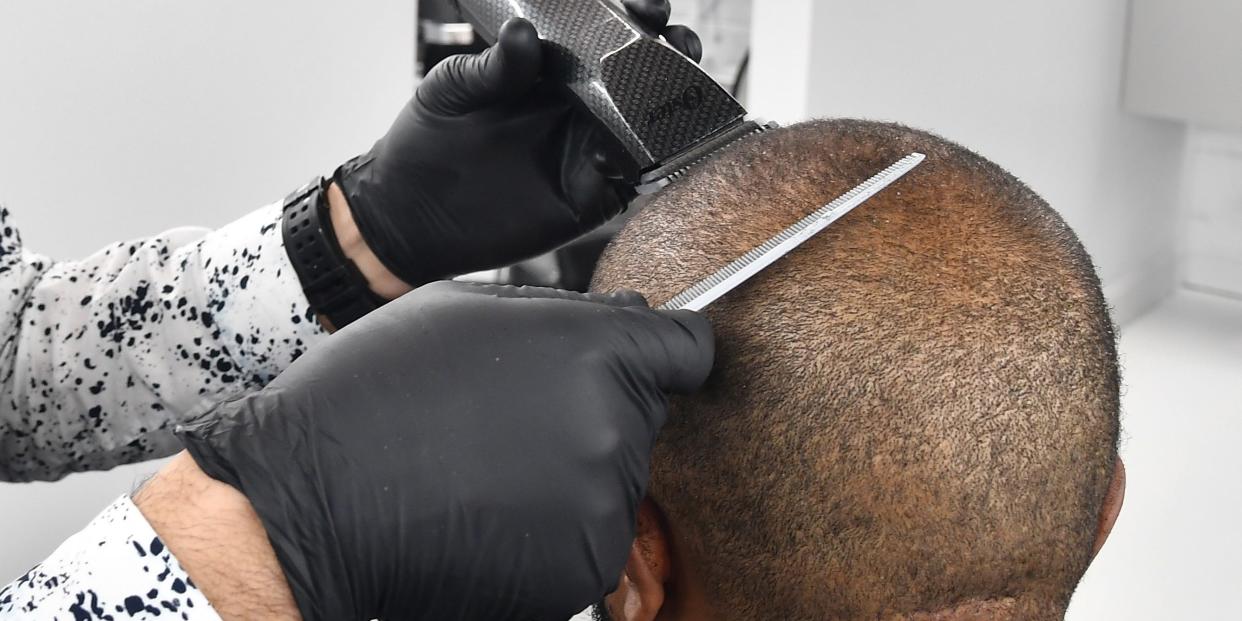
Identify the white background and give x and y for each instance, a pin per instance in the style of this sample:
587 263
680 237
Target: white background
124 118
121 119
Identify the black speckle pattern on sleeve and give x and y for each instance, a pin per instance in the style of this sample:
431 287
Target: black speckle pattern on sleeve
115 568
99 358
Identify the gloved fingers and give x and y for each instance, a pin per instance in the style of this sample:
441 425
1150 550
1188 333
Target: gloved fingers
468 82
620 298
205 436
677 347
623 298
605 166
606 153
591 177
599 194
685 41
652 14
615 177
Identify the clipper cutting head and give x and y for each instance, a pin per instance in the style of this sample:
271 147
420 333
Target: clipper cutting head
676 167
664 111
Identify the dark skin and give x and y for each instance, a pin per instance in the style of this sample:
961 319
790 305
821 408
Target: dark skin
658 585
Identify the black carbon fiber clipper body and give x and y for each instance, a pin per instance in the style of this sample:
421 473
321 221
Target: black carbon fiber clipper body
665 111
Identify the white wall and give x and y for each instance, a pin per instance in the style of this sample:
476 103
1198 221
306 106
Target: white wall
1185 63
1184 60
1211 252
124 118
1035 87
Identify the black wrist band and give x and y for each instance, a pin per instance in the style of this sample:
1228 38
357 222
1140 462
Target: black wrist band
332 283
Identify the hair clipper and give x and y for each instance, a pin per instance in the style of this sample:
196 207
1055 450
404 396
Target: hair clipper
665 112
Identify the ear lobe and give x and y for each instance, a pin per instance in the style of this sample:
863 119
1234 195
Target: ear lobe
651 542
1112 505
640 595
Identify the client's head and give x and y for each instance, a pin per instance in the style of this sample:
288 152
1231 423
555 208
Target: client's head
912 416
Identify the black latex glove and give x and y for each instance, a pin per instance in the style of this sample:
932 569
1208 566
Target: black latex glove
487 165
465 452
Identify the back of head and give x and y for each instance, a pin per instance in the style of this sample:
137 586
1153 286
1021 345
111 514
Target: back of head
917 410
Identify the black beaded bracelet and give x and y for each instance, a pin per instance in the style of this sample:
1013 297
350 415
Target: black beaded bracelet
332 283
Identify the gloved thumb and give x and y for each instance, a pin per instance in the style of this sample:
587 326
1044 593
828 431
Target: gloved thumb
676 347
467 82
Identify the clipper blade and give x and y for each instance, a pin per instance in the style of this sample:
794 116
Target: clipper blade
664 112
677 166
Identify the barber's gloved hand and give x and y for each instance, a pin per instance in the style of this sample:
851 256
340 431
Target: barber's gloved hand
488 165
471 452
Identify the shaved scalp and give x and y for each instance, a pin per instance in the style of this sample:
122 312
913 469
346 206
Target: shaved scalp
915 412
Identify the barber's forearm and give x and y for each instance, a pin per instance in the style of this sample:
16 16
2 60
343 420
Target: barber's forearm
382 281
216 536
114 348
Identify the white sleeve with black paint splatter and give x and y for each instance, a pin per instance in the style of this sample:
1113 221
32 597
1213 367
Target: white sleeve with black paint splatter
99 358
115 568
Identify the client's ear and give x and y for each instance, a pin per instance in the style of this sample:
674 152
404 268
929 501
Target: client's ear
1112 505
640 595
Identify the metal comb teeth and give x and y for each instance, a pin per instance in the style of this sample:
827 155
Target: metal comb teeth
743 268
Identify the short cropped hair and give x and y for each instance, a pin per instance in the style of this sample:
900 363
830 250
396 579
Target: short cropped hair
916 410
